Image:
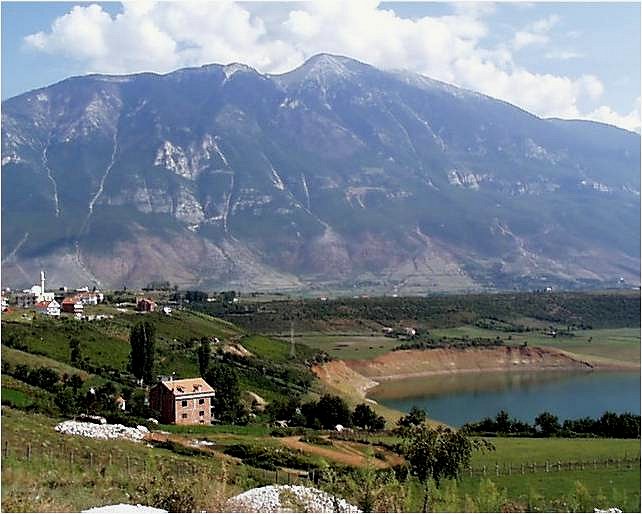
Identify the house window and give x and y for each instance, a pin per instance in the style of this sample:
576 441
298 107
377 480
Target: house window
201 401
201 413
184 403
184 416
202 422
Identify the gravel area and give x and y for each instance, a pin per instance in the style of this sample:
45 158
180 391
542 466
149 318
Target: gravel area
288 498
126 508
96 431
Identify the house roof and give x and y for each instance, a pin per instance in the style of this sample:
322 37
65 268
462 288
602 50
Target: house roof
70 300
147 300
187 386
45 304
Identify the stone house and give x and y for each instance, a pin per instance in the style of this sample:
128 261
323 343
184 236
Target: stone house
184 402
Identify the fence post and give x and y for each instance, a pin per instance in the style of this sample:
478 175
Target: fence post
29 452
546 467
522 468
559 466
110 458
594 463
91 459
510 469
484 470
496 469
128 466
71 457
5 449
470 469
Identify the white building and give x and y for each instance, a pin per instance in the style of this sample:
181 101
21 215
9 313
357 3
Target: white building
51 308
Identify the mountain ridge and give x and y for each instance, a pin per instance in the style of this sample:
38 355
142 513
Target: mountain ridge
327 179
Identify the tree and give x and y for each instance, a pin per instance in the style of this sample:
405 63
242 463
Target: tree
502 422
333 410
149 334
366 418
548 424
204 353
415 417
66 400
437 453
137 352
75 356
142 338
227 396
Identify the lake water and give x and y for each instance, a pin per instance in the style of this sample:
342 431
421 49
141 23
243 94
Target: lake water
458 398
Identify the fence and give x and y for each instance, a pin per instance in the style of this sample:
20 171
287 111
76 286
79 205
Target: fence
132 466
507 469
104 461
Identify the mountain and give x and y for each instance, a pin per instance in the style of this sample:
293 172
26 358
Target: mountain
336 175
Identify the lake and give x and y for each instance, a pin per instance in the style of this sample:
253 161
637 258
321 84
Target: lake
458 398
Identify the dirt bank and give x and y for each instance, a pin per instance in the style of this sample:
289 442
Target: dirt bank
417 363
338 375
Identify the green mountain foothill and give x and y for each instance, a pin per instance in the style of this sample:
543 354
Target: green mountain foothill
290 404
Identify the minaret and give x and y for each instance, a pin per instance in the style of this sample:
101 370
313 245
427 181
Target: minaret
42 282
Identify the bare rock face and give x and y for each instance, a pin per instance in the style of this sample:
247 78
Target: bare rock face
335 175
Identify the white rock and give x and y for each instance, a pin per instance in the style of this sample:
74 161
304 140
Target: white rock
104 432
125 508
272 497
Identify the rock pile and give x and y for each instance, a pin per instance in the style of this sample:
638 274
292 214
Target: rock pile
288 498
96 431
125 508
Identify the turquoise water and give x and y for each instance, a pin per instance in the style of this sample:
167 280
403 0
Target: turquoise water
457 399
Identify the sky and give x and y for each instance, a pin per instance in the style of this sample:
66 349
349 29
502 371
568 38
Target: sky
568 60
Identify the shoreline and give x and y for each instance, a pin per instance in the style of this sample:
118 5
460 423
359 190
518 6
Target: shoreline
353 381
468 371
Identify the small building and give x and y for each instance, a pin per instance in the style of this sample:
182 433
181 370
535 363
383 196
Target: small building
25 300
167 310
183 402
88 298
145 305
72 305
51 308
5 304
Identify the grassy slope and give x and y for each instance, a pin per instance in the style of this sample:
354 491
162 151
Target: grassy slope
53 484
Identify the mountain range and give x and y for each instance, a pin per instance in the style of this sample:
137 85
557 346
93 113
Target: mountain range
334 176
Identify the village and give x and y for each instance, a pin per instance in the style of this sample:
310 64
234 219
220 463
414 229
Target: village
67 302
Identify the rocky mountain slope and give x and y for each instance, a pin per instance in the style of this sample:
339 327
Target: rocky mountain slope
335 175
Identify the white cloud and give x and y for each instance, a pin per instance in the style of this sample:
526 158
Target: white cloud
162 36
630 121
563 55
535 33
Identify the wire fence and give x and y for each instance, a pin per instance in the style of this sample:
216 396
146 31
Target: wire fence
102 461
131 466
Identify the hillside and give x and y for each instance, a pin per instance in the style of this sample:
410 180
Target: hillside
334 176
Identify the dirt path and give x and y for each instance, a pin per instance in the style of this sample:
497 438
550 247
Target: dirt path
344 452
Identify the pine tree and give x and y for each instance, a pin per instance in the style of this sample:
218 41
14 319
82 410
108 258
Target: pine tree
149 346
137 352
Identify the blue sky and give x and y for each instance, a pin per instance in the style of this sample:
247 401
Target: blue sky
573 60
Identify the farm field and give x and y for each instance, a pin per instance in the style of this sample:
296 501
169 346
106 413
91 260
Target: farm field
350 346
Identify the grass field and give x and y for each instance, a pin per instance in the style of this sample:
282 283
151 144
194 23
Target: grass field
350 347
617 344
